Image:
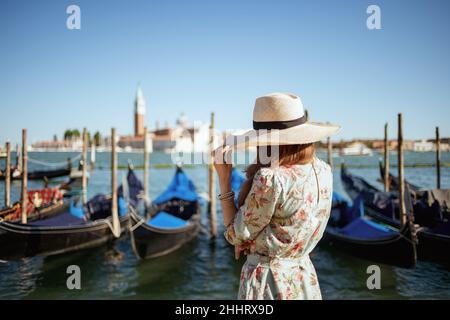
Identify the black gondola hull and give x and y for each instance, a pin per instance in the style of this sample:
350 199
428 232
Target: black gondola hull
150 242
433 247
430 246
40 175
21 241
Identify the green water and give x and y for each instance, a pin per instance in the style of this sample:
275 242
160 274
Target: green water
199 270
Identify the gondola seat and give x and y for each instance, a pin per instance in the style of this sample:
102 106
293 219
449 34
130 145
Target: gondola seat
62 220
164 220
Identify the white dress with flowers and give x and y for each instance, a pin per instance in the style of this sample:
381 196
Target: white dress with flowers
284 215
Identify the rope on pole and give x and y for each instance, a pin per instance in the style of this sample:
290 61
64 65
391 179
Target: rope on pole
54 164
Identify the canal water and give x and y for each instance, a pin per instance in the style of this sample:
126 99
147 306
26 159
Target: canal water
200 270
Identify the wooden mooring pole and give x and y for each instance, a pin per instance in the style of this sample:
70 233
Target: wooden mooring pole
438 159
211 189
402 208
330 152
93 155
386 159
146 162
84 168
24 195
114 209
8 176
18 158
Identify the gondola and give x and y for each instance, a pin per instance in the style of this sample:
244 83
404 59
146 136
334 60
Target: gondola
429 196
39 174
43 212
433 220
172 220
42 203
71 230
350 230
393 180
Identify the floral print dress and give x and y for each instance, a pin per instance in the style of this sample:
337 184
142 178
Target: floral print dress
284 215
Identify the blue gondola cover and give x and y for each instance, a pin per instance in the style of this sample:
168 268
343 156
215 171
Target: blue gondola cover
356 224
75 211
179 188
362 228
337 197
122 207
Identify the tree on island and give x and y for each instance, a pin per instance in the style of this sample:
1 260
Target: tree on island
72 134
97 139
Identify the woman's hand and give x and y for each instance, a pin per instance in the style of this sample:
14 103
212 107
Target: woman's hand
223 166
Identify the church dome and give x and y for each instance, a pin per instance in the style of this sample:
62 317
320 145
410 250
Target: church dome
183 120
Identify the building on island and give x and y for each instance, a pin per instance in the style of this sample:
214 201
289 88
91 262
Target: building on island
356 149
139 113
73 144
423 146
136 141
184 137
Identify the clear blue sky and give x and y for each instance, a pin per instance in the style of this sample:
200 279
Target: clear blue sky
199 56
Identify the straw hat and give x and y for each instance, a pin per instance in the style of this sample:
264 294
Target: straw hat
280 119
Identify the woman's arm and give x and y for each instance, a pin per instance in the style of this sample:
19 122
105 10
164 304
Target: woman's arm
224 169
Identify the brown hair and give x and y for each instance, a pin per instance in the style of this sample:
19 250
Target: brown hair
287 155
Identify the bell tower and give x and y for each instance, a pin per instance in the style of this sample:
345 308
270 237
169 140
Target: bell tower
139 113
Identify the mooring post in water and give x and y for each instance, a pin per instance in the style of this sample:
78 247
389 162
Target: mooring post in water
8 176
114 209
211 190
146 156
402 212
438 159
330 152
84 168
18 158
24 196
386 159
93 149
